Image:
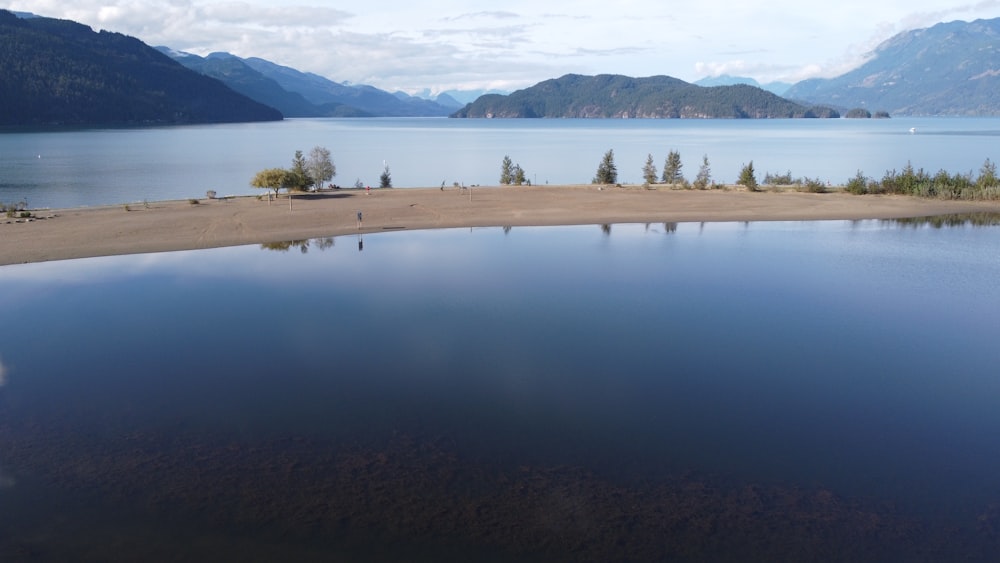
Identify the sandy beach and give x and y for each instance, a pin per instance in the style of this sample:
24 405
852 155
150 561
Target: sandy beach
61 234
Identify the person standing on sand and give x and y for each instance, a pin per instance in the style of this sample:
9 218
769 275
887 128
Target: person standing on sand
359 220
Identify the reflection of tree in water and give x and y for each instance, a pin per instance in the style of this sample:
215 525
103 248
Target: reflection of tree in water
667 227
303 245
978 219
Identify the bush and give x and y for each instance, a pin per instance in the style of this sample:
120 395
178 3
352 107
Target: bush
814 186
858 185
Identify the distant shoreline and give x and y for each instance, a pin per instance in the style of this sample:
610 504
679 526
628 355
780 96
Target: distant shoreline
162 226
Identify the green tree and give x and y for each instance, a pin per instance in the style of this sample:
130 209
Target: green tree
319 166
607 173
298 179
506 171
385 180
649 170
271 179
704 177
748 177
988 175
672 168
518 175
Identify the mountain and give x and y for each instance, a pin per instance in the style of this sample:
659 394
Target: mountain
947 69
59 72
618 96
304 94
368 99
458 97
776 88
241 77
448 101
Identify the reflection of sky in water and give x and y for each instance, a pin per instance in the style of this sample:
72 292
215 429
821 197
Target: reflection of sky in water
855 355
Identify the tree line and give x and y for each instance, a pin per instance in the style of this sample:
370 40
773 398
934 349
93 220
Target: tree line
915 182
312 171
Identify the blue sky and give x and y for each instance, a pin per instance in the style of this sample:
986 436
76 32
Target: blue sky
471 44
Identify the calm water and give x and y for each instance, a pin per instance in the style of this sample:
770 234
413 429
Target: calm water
96 167
444 392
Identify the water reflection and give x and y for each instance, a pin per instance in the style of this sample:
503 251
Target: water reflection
770 383
3 373
6 480
320 244
980 219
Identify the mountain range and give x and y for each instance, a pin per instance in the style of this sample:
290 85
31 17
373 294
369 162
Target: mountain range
58 72
302 94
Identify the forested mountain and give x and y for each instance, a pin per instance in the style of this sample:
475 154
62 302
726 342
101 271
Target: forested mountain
618 96
58 72
948 69
302 94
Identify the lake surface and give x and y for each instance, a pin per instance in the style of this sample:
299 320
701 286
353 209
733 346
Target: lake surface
100 167
772 391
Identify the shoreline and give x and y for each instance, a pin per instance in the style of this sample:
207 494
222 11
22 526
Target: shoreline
162 226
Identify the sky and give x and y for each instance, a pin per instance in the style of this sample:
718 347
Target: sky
431 47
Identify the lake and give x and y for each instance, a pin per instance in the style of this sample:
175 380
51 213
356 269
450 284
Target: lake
760 391
101 167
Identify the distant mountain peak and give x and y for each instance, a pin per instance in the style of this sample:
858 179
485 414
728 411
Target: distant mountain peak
778 88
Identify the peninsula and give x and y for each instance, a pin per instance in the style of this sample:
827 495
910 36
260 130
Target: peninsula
61 234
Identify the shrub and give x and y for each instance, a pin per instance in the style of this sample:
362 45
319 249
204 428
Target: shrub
858 185
814 186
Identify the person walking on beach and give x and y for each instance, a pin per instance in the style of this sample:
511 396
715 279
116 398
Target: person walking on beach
359 220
